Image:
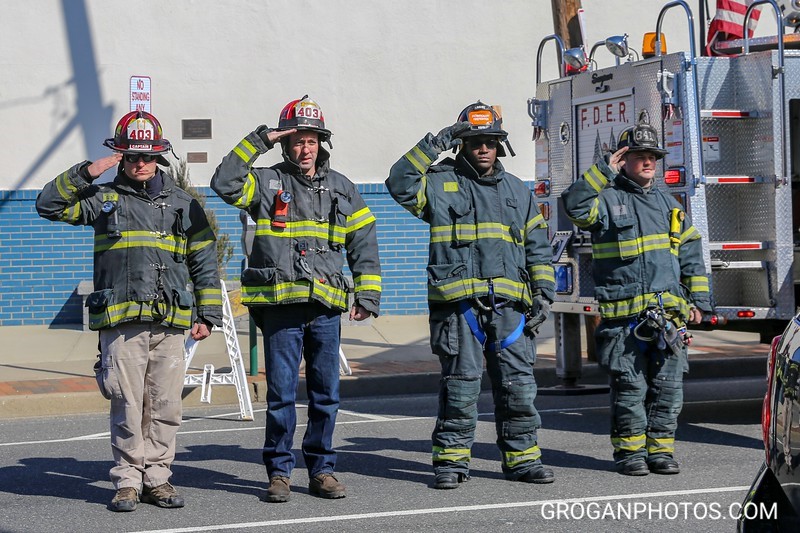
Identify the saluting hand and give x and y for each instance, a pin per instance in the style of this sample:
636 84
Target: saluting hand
101 165
270 136
616 161
275 135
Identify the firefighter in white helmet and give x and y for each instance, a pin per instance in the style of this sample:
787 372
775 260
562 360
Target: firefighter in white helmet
155 276
650 280
307 215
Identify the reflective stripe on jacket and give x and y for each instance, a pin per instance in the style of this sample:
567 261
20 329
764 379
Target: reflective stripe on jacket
481 228
326 216
643 243
154 259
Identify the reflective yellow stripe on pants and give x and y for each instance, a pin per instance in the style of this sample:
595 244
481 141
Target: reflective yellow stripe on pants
450 454
628 444
662 445
512 459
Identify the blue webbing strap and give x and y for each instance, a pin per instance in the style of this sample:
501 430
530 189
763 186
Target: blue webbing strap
472 322
475 328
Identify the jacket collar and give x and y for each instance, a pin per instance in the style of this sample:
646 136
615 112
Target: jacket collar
466 168
625 183
123 182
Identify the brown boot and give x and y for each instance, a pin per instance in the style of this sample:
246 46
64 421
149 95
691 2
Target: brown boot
278 490
163 495
326 486
124 500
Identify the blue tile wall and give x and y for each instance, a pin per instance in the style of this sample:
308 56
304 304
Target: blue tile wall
42 262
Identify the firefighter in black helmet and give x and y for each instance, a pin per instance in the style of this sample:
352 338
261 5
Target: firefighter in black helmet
650 280
490 285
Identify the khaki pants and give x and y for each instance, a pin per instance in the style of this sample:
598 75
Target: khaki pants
143 369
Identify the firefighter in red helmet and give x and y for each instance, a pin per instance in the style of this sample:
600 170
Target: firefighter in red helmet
155 277
307 215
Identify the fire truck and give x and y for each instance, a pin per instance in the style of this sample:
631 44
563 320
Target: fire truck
731 126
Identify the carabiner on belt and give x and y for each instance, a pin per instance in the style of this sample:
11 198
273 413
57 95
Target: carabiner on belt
494 305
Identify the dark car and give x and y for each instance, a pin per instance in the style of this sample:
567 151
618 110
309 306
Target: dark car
773 501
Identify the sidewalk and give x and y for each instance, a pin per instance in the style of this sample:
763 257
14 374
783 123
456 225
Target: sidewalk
48 371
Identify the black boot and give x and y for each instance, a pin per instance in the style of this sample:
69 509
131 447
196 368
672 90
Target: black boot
664 465
538 474
449 480
636 467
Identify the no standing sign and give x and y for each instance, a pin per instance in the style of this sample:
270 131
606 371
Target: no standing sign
140 93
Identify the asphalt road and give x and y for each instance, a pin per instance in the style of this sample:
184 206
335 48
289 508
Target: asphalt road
54 473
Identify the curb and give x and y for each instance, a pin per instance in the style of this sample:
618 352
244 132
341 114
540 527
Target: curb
60 404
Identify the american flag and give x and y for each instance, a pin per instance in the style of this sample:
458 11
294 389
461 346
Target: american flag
727 23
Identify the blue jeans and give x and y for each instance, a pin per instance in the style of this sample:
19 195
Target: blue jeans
312 331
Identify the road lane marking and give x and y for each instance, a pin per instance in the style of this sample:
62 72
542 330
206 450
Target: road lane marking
442 510
377 418
368 419
344 423
99 436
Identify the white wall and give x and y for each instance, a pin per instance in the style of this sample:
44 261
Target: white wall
384 72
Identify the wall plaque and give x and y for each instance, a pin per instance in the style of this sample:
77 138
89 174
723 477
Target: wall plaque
196 128
197 157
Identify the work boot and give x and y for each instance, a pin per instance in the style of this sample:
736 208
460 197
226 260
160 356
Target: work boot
326 486
636 467
125 500
664 465
538 474
278 490
163 495
449 480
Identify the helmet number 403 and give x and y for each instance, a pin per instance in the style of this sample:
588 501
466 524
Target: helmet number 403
140 135
308 112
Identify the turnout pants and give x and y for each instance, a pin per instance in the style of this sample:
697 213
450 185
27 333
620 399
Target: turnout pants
142 373
311 331
646 392
513 388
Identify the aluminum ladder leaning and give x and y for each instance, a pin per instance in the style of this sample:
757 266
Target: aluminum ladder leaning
236 377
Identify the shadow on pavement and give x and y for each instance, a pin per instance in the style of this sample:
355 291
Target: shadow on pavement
66 477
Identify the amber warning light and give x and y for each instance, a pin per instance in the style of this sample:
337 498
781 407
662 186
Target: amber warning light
649 44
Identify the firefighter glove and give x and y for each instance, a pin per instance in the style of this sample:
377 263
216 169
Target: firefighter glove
263 131
448 137
538 313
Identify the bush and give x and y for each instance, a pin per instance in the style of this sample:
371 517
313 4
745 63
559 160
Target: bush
180 173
